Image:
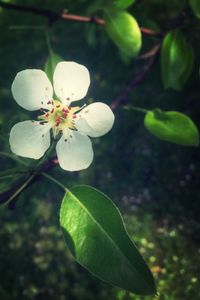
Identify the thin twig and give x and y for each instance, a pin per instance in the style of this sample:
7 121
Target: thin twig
150 53
69 17
139 78
54 16
9 196
148 31
29 9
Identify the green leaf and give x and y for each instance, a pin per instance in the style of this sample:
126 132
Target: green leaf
122 4
94 232
124 31
195 5
124 57
177 59
52 60
173 127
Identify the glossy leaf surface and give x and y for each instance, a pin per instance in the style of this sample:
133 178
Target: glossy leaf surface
94 232
124 31
177 59
173 127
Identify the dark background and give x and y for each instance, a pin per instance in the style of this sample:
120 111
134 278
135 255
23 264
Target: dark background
154 183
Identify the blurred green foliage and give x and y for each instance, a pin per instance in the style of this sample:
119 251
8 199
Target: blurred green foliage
156 184
36 265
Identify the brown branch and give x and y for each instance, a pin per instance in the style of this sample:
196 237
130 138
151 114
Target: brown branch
94 19
54 16
29 9
10 196
148 31
150 53
139 78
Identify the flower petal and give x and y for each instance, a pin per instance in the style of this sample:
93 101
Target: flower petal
30 139
32 89
95 119
71 81
74 151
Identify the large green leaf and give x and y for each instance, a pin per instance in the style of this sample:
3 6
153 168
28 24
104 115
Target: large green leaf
195 5
173 127
94 232
124 31
122 4
177 59
52 60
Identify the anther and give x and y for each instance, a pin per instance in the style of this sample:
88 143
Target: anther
57 106
65 140
74 116
65 110
42 135
52 110
42 123
49 102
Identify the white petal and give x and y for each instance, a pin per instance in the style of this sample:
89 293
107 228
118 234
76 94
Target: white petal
30 139
74 151
71 81
32 89
95 119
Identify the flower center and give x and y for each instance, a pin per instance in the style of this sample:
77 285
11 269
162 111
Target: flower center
59 117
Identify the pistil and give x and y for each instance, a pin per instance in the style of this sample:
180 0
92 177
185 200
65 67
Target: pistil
59 117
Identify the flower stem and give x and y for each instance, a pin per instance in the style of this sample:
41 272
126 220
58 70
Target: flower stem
132 107
46 156
55 181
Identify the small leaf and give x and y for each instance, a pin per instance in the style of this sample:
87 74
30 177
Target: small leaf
95 234
173 127
177 59
195 5
124 31
122 4
52 60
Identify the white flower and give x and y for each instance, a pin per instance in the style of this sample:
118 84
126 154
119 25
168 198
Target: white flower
33 91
